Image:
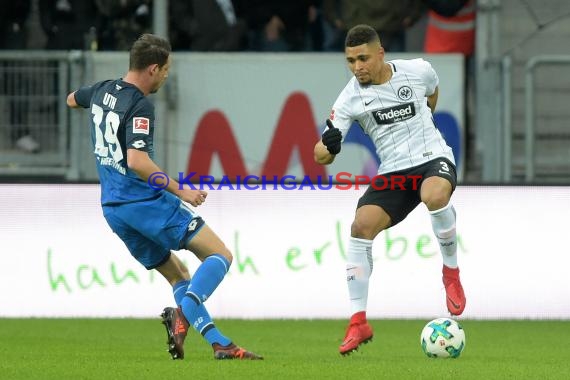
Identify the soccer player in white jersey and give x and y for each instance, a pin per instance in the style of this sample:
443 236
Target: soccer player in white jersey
393 103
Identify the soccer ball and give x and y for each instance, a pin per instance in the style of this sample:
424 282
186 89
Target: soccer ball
443 338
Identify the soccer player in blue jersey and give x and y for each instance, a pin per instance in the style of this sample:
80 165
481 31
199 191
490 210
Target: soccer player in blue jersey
153 222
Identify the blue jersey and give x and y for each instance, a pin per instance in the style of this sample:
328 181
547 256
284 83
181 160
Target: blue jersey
121 118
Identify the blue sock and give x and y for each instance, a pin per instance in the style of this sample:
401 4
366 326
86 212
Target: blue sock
179 290
206 279
207 327
202 322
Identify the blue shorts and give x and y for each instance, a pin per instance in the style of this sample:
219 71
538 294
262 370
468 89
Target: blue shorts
151 228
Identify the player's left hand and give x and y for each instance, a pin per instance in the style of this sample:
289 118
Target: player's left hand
332 138
194 197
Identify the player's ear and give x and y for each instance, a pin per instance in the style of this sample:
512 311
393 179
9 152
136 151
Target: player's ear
381 51
153 69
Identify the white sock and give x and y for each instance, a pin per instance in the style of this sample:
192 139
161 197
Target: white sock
358 270
443 224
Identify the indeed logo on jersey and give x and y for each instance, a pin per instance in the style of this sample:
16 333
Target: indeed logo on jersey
395 114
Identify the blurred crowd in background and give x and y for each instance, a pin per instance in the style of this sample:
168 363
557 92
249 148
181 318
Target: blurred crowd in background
212 25
204 26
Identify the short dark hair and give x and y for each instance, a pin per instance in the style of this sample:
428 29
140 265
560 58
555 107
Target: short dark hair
147 50
360 34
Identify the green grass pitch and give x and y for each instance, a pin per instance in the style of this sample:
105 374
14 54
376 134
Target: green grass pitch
293 349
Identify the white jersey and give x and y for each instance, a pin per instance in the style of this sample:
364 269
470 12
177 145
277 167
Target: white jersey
395 115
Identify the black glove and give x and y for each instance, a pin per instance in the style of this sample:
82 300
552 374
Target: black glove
332 138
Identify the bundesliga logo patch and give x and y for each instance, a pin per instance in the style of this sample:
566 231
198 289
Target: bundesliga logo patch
141 125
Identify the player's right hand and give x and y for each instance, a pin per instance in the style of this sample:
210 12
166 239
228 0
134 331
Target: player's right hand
194 197
332 138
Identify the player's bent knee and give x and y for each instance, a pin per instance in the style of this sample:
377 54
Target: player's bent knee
435 201
362 230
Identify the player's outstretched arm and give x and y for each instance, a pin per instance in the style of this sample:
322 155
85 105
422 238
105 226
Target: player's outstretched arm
141 163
